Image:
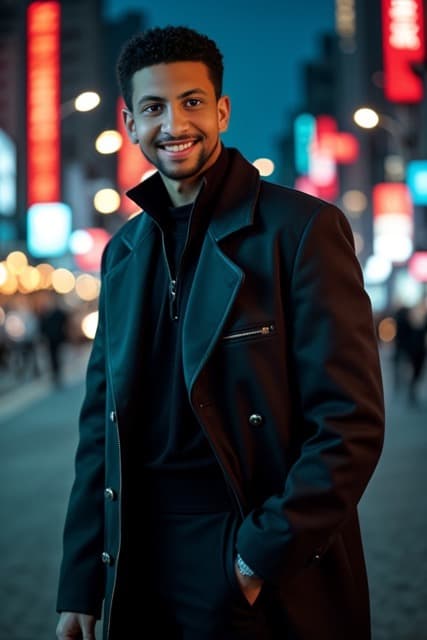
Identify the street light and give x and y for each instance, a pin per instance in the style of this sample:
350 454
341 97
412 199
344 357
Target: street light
108 141
86 101
368 118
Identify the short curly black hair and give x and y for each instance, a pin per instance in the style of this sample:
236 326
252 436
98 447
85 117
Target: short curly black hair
163 45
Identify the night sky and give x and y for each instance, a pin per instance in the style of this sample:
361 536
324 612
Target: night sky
263 51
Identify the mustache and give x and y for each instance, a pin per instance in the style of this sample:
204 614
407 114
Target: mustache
172 139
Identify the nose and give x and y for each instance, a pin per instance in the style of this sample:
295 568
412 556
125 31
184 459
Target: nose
175 121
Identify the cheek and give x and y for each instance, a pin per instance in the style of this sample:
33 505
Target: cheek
145 133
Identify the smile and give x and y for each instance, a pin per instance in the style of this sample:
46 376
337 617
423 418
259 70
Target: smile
173 148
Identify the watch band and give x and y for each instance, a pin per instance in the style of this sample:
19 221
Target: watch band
243 568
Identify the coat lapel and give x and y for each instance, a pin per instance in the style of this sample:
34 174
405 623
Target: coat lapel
214 289
218 279
126 298
215 286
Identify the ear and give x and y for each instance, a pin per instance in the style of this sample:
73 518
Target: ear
129 121
223 110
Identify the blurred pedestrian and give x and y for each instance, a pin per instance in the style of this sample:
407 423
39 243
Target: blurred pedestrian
400 347
23 334
234 412
53 328
416 348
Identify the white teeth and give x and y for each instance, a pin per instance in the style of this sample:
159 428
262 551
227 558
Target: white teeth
178 147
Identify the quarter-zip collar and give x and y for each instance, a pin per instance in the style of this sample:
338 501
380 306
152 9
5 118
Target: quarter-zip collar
152 196
229 192
156 203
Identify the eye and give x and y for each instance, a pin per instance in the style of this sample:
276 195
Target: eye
193 102
150 109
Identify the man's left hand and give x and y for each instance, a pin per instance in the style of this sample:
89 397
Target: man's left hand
250 585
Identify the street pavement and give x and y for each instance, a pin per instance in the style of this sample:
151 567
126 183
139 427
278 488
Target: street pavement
38 435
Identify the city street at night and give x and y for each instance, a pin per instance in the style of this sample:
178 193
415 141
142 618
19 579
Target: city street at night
38 434
237 198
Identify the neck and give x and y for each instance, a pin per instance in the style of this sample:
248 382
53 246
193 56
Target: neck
184 192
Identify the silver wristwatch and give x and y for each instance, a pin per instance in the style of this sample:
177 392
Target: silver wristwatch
243 568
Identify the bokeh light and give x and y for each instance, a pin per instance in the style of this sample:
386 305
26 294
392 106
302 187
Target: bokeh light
265 166
89 325
87 101
63 281
106 200
87 287
108 141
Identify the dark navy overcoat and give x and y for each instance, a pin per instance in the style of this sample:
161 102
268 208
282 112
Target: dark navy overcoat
281 365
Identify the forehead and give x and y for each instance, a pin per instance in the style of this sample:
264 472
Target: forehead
171 79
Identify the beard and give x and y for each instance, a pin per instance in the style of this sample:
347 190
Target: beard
181 170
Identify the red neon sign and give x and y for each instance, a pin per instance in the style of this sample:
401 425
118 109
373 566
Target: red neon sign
403 45
323 171
417 266
43 102
91 260
391 198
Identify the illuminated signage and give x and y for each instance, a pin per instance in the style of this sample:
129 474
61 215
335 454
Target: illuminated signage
43 102
417 266
416 178
343 146
403 45
48 229
90 260
304 132
345 18
303 183
393 221
392 197
323 166
7 175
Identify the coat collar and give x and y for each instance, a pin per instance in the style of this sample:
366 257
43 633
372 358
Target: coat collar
232 185
208 306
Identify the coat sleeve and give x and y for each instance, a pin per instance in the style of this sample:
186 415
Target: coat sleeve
81 580
339 395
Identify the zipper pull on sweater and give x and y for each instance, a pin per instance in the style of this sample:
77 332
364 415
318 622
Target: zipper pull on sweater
172 300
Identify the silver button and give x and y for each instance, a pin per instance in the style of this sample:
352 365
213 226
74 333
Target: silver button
106 558
256 420
113 416
109 494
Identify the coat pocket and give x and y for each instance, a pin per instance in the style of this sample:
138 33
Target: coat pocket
247 333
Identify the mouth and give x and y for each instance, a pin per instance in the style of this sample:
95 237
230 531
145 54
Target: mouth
177 149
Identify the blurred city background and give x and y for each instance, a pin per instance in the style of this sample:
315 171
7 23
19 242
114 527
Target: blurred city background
352 130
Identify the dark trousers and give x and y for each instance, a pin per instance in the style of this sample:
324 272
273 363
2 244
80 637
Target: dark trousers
194 591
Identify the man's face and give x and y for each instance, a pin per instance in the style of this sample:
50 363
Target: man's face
176 118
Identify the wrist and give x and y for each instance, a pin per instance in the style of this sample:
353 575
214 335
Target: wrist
243 568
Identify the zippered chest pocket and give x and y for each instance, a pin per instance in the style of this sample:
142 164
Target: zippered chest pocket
250 333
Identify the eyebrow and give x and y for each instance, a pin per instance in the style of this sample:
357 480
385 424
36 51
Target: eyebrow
185 94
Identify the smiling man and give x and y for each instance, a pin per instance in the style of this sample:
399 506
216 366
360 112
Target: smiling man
177 123
234 411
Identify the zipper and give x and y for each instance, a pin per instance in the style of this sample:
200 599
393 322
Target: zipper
173 307
265 330
172 300
173 282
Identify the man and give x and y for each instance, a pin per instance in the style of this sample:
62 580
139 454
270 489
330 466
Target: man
234 411
54 330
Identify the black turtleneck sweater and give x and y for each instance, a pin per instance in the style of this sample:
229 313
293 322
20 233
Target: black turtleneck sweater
181 471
